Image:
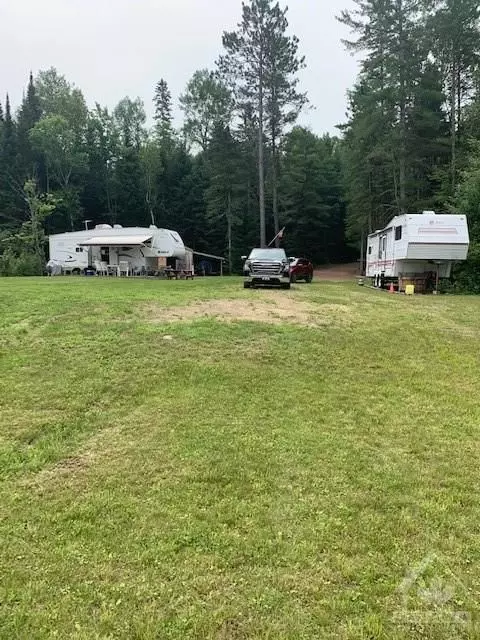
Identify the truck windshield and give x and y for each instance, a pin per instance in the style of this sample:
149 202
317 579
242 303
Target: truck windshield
268 254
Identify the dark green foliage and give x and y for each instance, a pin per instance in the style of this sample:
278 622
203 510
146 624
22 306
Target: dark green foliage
405 143
312 196
130 198
163 114
411 142
207 103
261 65
227 192
29 114
10 177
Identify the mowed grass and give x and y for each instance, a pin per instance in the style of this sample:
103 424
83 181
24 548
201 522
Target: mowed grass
238 479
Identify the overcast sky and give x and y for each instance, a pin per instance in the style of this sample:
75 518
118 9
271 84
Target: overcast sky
113 48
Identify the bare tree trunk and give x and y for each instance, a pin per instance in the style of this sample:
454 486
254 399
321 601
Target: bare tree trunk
148 199
402 169
229 232
109 198
362 253
261 167
459 101
276 219
395 183
369 217
453 125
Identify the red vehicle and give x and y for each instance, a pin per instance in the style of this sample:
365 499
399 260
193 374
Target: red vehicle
301 269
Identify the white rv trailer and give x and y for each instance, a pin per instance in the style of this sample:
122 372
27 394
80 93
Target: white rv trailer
144 249
413 245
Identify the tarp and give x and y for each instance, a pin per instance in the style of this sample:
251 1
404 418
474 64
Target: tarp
54 268
116 241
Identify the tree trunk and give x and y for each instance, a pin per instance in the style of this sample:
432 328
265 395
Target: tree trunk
459 102
453 126
369 215
229 232
402 169
261 167
362 253
276 220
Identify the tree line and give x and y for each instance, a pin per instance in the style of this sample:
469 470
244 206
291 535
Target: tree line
240 168
412 138
235 172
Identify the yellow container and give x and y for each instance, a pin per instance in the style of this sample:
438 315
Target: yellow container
410 289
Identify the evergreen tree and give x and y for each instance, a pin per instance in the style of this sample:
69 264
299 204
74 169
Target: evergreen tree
283 101
130 209
245 66
224 195
368 162
11 211
391 32
190 205
427 140
103 148
150 156
29 114
261 64
9 140
456 26
163 114
130 205
312 196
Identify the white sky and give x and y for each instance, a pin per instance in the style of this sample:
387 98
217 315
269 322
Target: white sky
113 48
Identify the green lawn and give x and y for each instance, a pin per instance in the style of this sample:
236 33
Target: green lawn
239 479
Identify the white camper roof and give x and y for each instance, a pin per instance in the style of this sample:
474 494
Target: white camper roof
427 223
116 241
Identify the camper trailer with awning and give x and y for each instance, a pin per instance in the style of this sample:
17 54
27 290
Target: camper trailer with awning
416 248
141 249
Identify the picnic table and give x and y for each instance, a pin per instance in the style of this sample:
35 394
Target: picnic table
175 274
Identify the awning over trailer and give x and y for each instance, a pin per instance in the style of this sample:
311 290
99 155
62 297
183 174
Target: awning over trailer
117 241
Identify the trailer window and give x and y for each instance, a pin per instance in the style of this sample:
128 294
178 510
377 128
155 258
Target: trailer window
369 251
398 233
79 250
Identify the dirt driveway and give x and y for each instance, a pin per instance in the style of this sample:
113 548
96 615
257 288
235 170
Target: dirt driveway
338 272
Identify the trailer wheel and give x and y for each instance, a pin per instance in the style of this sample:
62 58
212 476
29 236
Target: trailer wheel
76 272
246 285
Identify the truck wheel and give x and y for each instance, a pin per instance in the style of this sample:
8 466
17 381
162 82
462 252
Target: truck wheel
293 278
286 286
308 279
246 285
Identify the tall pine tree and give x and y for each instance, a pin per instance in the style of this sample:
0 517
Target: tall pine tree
163 114
29 114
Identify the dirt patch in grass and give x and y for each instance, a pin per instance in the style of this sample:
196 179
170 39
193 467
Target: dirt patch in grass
271 308
63 471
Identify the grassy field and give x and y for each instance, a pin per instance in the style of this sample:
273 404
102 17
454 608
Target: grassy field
191 460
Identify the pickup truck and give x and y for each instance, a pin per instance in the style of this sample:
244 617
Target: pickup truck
266 267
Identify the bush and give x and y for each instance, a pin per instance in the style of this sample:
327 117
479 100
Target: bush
467 274
23 264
